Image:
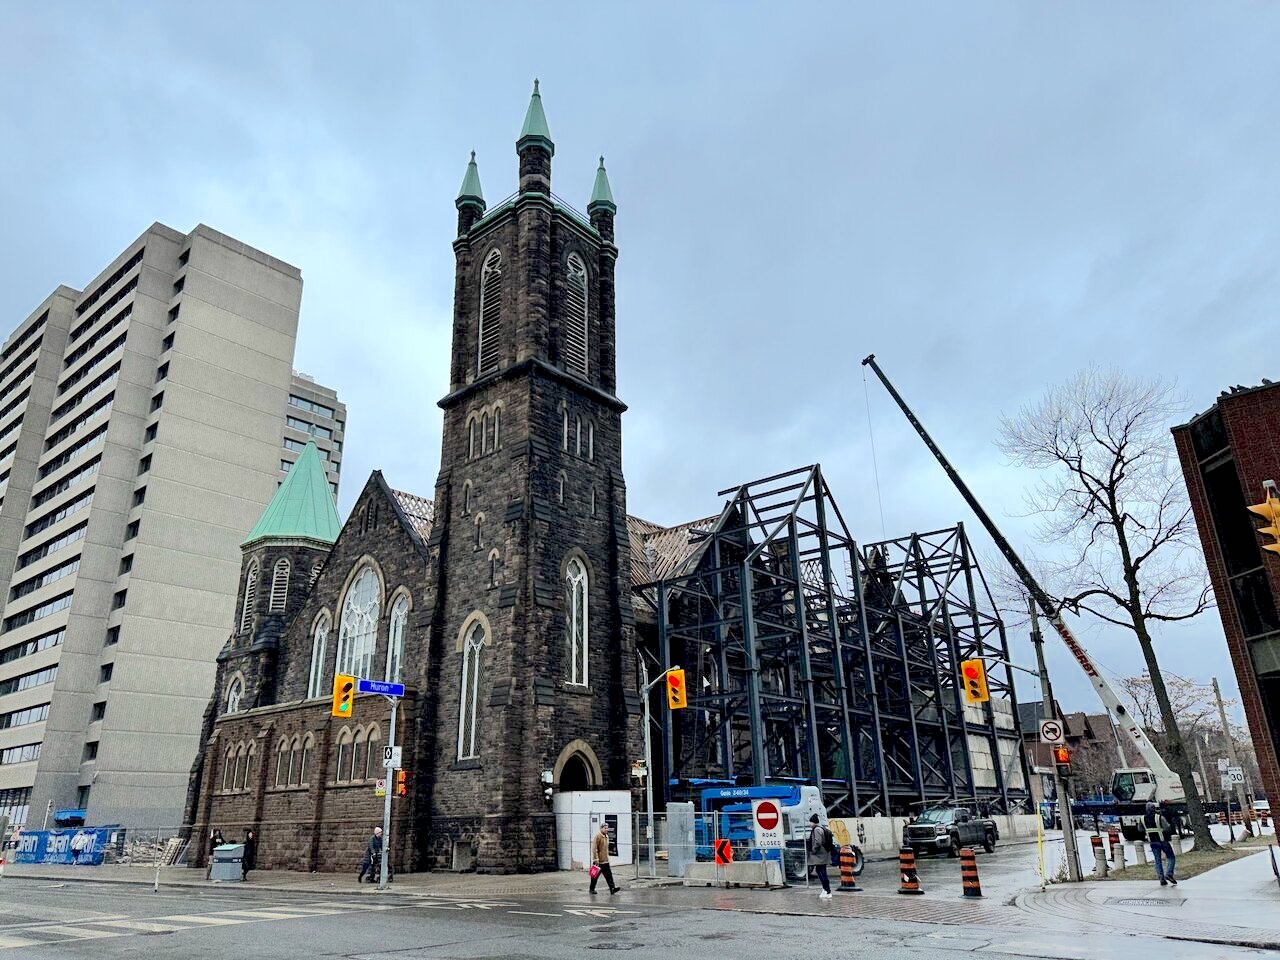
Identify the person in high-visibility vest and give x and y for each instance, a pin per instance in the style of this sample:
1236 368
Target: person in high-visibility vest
1159 834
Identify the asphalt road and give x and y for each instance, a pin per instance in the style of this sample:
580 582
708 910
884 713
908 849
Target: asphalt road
40 920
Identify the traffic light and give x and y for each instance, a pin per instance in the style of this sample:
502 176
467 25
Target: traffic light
402 783
1269 510
344 691
975 681
677 695
1062 757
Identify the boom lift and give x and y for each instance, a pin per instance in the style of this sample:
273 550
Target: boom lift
1133 787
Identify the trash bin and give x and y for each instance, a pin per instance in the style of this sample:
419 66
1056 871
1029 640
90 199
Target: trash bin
228 862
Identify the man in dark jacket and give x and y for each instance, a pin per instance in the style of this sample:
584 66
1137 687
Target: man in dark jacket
372 862
1159 834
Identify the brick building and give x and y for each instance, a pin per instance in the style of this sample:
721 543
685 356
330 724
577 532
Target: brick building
1227 453
503 603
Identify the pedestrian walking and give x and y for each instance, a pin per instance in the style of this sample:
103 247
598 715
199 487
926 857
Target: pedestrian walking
372 862
215 841
600 859
1159 833
250 860
821 846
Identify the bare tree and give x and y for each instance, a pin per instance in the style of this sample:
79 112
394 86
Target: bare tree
1113 499
1193 703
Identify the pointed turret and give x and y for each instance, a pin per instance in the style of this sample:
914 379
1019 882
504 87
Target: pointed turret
302 509
535 148
470 202
601 207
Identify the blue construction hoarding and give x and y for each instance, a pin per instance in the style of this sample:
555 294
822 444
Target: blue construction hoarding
82 846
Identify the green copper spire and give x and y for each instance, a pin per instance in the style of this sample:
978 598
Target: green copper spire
470 190
302 508
601 195
535 130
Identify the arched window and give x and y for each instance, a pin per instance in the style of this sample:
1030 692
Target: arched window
282 763
250 596
342 764
579 424
466 498
359 756
242 769
472 664
489 335
358 628
295 762
593 501
395 639
229 769
235 693
473 449
575 316
575 595
479 521
560 487
279 586
319 641
373 763
494 560
591 440
304 768
564 441
497 428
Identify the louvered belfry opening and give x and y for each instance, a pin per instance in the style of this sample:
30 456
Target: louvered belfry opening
575 317
280 586
490 333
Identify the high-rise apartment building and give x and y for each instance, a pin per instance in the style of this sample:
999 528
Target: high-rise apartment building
144 424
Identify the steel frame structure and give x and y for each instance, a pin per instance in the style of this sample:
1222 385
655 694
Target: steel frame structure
812 659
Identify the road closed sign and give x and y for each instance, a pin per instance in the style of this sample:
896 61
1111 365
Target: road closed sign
767 820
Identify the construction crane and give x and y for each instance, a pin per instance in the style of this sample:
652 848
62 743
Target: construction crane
1133 787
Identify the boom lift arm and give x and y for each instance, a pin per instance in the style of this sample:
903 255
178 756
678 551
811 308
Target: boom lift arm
1170 787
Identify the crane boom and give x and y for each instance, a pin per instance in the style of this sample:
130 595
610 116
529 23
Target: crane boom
1169 784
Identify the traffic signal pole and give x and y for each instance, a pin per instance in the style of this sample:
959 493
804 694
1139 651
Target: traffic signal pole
386 800
1060 785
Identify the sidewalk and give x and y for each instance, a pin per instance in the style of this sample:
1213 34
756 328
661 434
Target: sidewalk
1237 903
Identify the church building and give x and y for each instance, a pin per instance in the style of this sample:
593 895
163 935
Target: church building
503 602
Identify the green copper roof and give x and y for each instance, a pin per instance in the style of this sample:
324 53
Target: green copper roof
601 194
470 189
535 123
302 508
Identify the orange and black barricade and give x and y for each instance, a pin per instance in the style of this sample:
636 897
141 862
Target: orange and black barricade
848 879
907 870
969 873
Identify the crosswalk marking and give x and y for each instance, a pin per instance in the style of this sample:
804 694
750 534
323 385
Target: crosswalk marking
77 932
137 926
259 914
210 920
7 941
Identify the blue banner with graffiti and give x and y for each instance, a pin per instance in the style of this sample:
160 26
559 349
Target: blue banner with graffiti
82 846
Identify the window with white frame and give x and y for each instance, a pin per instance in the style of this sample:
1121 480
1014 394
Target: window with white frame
473 448
279 586
319 643
282 763
235 693
250 596
373 765
591 440
358 626
472 665
575 593
395 639
484 432
497 428
575 316
564 440
489 335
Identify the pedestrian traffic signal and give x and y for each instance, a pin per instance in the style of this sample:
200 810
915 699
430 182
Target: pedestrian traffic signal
1062 758
1269 510
344 691
974 673
677 695
402 783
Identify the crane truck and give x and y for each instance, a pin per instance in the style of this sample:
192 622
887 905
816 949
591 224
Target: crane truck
1132 787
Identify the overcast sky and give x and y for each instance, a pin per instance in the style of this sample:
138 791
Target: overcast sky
989 196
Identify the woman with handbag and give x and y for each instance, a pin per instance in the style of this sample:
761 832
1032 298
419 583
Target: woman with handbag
600 859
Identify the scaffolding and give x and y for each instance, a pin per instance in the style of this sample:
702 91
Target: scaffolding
810 659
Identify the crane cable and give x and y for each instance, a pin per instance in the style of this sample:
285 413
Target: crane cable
866 396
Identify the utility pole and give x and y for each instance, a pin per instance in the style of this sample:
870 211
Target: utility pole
1231 754
1060 785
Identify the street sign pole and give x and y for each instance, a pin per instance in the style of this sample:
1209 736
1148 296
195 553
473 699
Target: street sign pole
1246 818
386 800
648 766
1060 786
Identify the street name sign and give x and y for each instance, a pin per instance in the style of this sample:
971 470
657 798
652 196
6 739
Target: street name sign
767 820
380 686
1051 732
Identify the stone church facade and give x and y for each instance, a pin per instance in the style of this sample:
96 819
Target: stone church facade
503 603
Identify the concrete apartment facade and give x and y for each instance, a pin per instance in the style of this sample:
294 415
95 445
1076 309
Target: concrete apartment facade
144 424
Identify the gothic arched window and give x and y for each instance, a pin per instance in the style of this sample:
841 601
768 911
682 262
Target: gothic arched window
250 596
235 693
373 761
564 441
466 498
358 628
484 432
279 586
575 316
473 448
342 766
395 639
591 440
488 336
304 769
497 428
319 641
229 769
295 761
575 595
360 757
472 664
282 763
